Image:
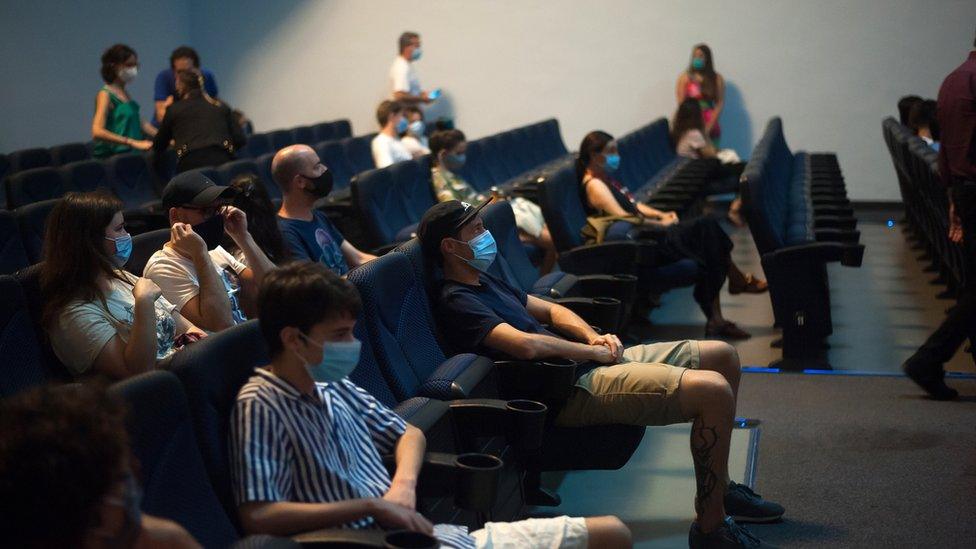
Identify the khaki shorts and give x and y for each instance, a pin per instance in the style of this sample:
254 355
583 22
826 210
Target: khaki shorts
642 391
542 533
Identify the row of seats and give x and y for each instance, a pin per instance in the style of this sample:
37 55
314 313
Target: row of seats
800 218
926 202
515 156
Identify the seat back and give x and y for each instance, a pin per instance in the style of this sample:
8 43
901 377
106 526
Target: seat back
263 165
280 139
212 372
304 135
13 256
30 282
26 159
257 144
228 171
144 245
173 478
560 202
333 155
380 211
398 322
85 175
512 264
131 180
22 366
359 152
31 221
33 185
69 152
341 128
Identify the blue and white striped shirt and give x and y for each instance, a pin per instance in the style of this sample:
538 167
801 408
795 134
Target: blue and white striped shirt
320 448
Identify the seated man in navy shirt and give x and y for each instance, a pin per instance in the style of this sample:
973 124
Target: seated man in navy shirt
308 233
306 442
183 58
656 384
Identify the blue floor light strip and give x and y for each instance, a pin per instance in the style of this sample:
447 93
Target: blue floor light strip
857 373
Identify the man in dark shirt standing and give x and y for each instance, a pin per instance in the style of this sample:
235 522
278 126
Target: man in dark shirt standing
957 165
655 384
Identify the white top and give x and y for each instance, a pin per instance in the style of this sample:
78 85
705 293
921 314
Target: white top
416 147
177 277
388 150
403 78
690 143
85 327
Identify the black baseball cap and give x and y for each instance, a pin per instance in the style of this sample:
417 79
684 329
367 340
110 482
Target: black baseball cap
443 220
193 189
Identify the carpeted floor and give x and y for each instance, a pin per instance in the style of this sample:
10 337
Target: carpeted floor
864 461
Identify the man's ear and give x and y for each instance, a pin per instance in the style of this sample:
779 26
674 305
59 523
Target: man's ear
174 216
290 338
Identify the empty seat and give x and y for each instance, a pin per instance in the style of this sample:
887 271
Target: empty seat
22 366
359 152
280 139
257 144
26 159
144 245
31 221
304 135
69 152
263 164
132 181
228 171
333 155
13 256
33 185
341 128
85 176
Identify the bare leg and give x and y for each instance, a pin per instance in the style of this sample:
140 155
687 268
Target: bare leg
607 531
719 356
544 241
707 397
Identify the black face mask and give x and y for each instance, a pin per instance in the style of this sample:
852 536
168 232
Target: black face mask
321 185
211 231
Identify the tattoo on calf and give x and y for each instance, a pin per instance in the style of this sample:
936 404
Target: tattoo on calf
703 441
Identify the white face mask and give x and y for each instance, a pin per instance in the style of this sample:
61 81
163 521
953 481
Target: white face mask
128 74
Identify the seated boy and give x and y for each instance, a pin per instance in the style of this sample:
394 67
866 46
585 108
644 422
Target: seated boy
306 442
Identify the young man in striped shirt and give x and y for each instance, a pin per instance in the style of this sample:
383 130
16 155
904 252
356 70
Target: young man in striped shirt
306 442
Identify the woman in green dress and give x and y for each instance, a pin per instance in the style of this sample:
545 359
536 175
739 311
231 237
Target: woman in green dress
117 127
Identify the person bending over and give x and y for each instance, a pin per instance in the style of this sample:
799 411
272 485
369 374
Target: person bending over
306 442
448 155
66 473
101 319
183 58
656 384
309 234
386 146
206 283
117 127
701 239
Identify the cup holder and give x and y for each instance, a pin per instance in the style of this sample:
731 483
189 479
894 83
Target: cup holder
405 539
526 424
477 481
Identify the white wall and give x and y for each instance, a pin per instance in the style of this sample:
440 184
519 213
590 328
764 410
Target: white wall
831 69
51 54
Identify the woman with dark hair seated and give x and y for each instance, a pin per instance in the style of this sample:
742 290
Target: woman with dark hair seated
101 319
262 220
117 127
204 129
701 239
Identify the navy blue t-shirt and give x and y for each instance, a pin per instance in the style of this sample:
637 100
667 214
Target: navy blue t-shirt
315 240
467 314
166 86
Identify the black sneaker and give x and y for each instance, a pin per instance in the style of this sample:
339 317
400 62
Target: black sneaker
930 378
728 535
744 505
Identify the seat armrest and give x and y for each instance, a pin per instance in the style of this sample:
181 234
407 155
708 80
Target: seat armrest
849 255
622 286
837 235
612 257
834 222
457 377
839 211
520 421
340 537
550 382
422 413
601 312
471 479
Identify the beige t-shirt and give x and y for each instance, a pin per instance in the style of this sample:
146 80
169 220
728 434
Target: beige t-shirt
387 151
177 277
85 327
403 78
690 143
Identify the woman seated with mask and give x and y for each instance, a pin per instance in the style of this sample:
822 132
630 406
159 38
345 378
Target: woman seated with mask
415 138
447 156
101 319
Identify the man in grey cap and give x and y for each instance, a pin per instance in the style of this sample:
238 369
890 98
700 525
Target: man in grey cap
208 285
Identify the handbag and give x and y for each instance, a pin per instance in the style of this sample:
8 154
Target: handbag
595 230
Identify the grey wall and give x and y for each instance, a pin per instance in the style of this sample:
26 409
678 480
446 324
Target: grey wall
832 69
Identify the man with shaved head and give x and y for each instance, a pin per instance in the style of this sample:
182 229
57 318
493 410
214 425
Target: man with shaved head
308 233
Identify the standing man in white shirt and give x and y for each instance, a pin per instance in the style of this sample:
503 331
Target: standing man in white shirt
386 146
403 78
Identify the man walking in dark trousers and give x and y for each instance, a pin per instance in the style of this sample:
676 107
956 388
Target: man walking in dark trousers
957 165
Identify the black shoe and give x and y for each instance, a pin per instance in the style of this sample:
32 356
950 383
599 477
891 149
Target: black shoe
728 535
744 505
931 378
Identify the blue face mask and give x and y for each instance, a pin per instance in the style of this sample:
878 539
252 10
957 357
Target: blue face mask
402 125
455 162
484 249
123 249
416 54
339 359
698 63
612 162
417 128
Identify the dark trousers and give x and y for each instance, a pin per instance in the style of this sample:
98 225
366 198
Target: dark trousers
960 322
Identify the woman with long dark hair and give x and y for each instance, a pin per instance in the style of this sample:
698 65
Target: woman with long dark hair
101 319
700 82
701 239
262 219
204 129
116 126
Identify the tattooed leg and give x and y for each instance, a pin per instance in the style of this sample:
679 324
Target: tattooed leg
707 398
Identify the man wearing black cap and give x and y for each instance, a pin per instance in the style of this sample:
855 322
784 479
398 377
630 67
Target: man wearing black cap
657 384
207 284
